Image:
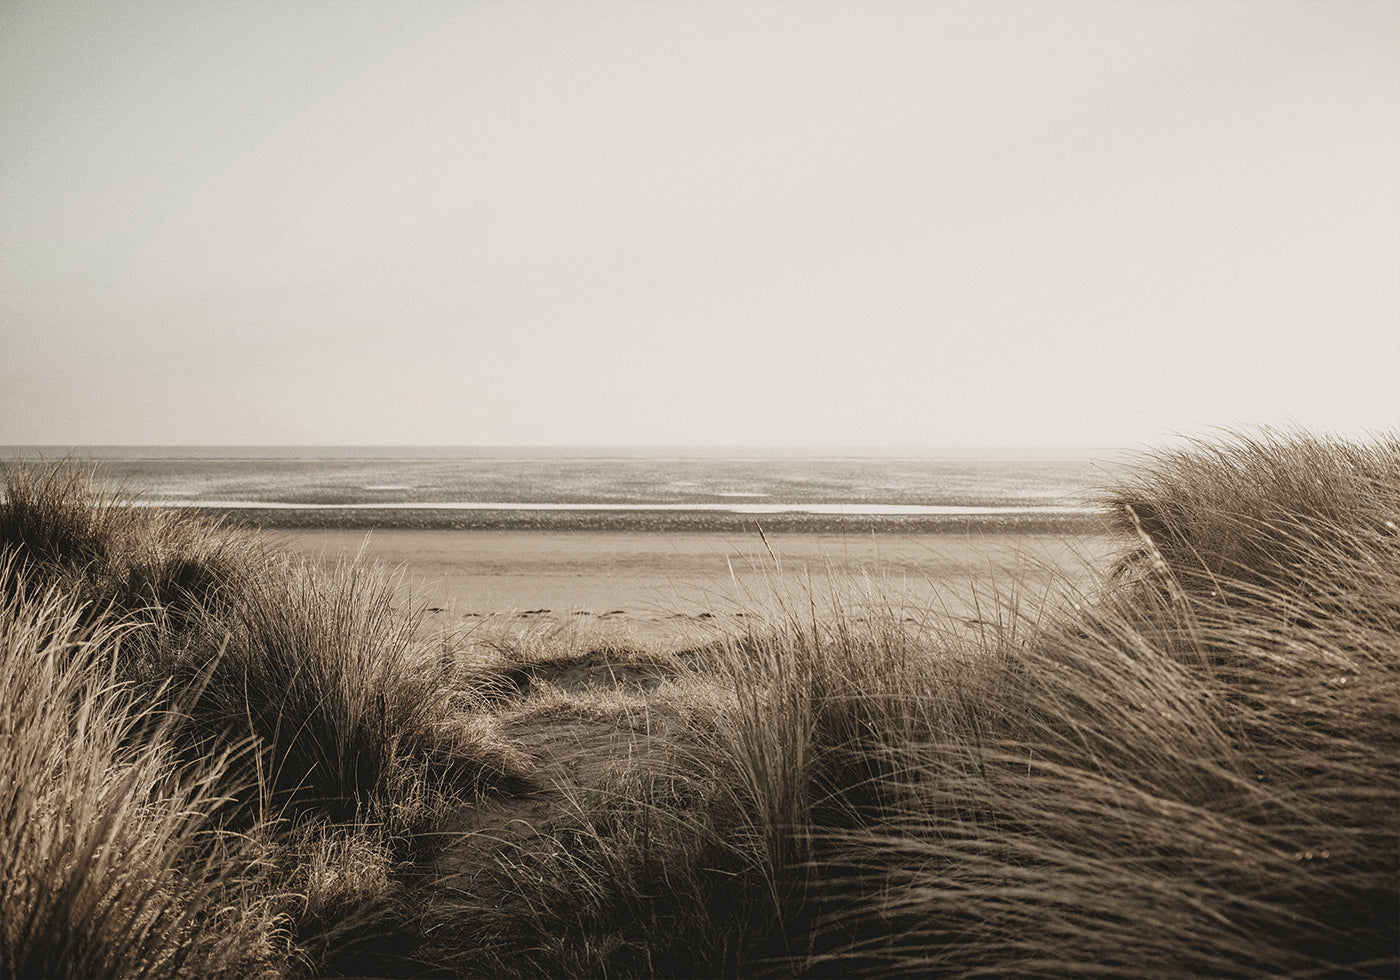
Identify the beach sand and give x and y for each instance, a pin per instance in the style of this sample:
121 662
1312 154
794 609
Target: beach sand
652 586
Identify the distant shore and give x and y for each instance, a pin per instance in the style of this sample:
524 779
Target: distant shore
694 521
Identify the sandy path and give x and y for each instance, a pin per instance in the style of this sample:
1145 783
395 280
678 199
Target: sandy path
598 721
653 581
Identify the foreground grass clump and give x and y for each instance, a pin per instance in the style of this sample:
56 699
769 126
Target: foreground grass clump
1196 774
167 682
347 710
1193 771
322 666
109 864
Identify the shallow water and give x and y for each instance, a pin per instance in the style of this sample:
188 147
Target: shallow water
656 488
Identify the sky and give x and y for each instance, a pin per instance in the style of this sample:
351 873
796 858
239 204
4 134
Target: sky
686 223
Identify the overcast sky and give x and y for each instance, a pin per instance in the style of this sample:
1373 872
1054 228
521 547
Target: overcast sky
687 223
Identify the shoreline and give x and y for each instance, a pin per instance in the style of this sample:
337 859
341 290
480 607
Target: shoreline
1032 522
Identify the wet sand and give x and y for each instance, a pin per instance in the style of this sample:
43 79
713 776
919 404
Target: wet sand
649 583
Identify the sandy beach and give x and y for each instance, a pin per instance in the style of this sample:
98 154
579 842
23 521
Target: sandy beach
651 585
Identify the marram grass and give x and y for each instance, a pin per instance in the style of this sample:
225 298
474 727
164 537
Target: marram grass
109 864
1190 769
191 720
321 671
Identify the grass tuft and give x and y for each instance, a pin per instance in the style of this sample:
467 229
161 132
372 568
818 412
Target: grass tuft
110 864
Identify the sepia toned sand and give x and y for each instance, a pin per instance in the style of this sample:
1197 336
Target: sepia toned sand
650 586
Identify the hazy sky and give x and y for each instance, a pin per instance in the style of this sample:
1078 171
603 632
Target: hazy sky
709 222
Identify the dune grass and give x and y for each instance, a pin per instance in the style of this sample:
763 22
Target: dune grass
323 670
1191 768
1195 773
110 865
218 689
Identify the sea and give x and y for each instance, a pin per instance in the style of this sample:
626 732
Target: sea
817 489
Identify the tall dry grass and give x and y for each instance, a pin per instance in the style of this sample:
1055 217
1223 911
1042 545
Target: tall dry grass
110 863
328 669
1191 769
1280 512
1195 773
236 689
348 710
68 531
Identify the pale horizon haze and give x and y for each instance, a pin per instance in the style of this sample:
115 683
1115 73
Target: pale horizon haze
696 223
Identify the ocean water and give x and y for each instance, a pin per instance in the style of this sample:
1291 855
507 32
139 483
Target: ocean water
606 488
